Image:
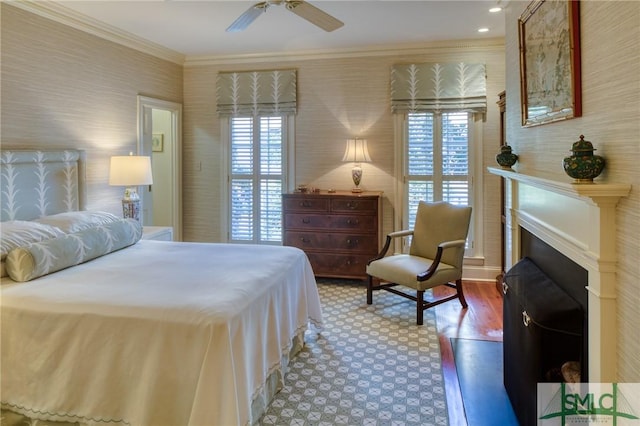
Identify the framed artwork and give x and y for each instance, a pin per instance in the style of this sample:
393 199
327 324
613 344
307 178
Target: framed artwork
550 84
157 142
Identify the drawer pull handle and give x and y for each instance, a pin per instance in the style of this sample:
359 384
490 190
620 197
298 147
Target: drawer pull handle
306 220
526 319
305 203
305 240
351 242
352 221
352 205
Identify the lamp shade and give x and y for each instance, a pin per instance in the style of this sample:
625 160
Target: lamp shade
130 170
356 151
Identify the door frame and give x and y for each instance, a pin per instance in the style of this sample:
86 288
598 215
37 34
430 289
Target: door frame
145 130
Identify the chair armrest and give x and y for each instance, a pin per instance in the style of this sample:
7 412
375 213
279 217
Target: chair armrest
454 243
404 233
387 243
441 247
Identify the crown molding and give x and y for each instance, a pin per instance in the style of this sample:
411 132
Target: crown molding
472 45
71 18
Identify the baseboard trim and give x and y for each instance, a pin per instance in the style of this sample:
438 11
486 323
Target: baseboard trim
480 273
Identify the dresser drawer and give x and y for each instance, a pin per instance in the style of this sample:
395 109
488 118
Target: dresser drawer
337 265
306 221
305 203
355 243
329 222
354 205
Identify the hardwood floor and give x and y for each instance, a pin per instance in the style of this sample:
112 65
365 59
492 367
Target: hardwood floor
481 320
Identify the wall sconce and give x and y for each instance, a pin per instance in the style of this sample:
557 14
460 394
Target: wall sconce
130 171
357 153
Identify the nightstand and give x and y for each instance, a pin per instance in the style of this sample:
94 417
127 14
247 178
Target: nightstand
158 233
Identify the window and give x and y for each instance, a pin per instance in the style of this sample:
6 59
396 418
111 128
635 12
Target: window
438 165
257 165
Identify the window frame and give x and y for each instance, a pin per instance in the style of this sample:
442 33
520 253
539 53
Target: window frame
475 252
288 173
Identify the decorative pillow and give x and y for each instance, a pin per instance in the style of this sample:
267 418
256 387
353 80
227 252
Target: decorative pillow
18 233
38 259
77 221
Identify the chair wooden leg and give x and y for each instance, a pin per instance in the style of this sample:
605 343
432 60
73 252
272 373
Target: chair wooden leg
370 290
419 307
460 292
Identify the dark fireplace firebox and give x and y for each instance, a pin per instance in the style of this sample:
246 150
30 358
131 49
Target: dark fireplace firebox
545 323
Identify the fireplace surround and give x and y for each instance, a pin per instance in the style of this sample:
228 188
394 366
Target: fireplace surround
578 220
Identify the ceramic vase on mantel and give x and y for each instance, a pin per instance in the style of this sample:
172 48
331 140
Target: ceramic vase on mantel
583 166
506 158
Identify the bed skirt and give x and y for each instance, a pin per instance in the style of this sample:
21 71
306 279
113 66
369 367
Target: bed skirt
20 416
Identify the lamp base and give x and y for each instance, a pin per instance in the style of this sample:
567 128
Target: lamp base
356 175
131 204
131 209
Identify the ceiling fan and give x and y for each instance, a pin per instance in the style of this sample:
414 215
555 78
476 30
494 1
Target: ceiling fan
301 8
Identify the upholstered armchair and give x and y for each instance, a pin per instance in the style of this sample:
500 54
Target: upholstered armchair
435 257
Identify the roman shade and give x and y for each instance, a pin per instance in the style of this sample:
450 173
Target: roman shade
435 87
253 93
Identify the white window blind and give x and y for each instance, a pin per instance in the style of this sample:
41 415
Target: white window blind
437 160
256 179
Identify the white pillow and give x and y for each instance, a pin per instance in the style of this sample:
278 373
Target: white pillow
18 233
77 221
38 259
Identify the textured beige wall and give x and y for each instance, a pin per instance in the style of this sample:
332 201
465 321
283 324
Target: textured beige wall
610 38
338 98
62 87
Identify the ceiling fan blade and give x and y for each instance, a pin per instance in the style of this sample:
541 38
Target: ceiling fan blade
314 15
248 17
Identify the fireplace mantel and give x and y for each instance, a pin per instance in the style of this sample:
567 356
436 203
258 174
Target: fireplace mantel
597 192
578 220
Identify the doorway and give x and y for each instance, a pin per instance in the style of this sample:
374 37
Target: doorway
160 137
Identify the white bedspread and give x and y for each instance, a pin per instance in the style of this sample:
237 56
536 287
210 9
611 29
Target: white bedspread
156 334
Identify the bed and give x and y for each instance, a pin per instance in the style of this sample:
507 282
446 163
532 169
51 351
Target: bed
133 331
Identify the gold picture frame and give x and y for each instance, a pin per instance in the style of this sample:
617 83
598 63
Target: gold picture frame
157 142
550 82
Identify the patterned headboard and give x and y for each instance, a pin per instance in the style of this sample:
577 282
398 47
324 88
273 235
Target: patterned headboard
38 183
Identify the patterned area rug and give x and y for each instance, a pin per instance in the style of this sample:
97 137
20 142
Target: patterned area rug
370 365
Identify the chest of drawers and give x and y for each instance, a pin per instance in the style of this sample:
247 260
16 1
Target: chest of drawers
339 232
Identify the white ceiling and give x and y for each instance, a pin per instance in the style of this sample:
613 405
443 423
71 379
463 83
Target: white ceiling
197 28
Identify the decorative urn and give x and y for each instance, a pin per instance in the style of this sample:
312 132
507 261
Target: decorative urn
583 166
506 158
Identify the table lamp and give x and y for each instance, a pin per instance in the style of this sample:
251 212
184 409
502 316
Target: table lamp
130 171
357 153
